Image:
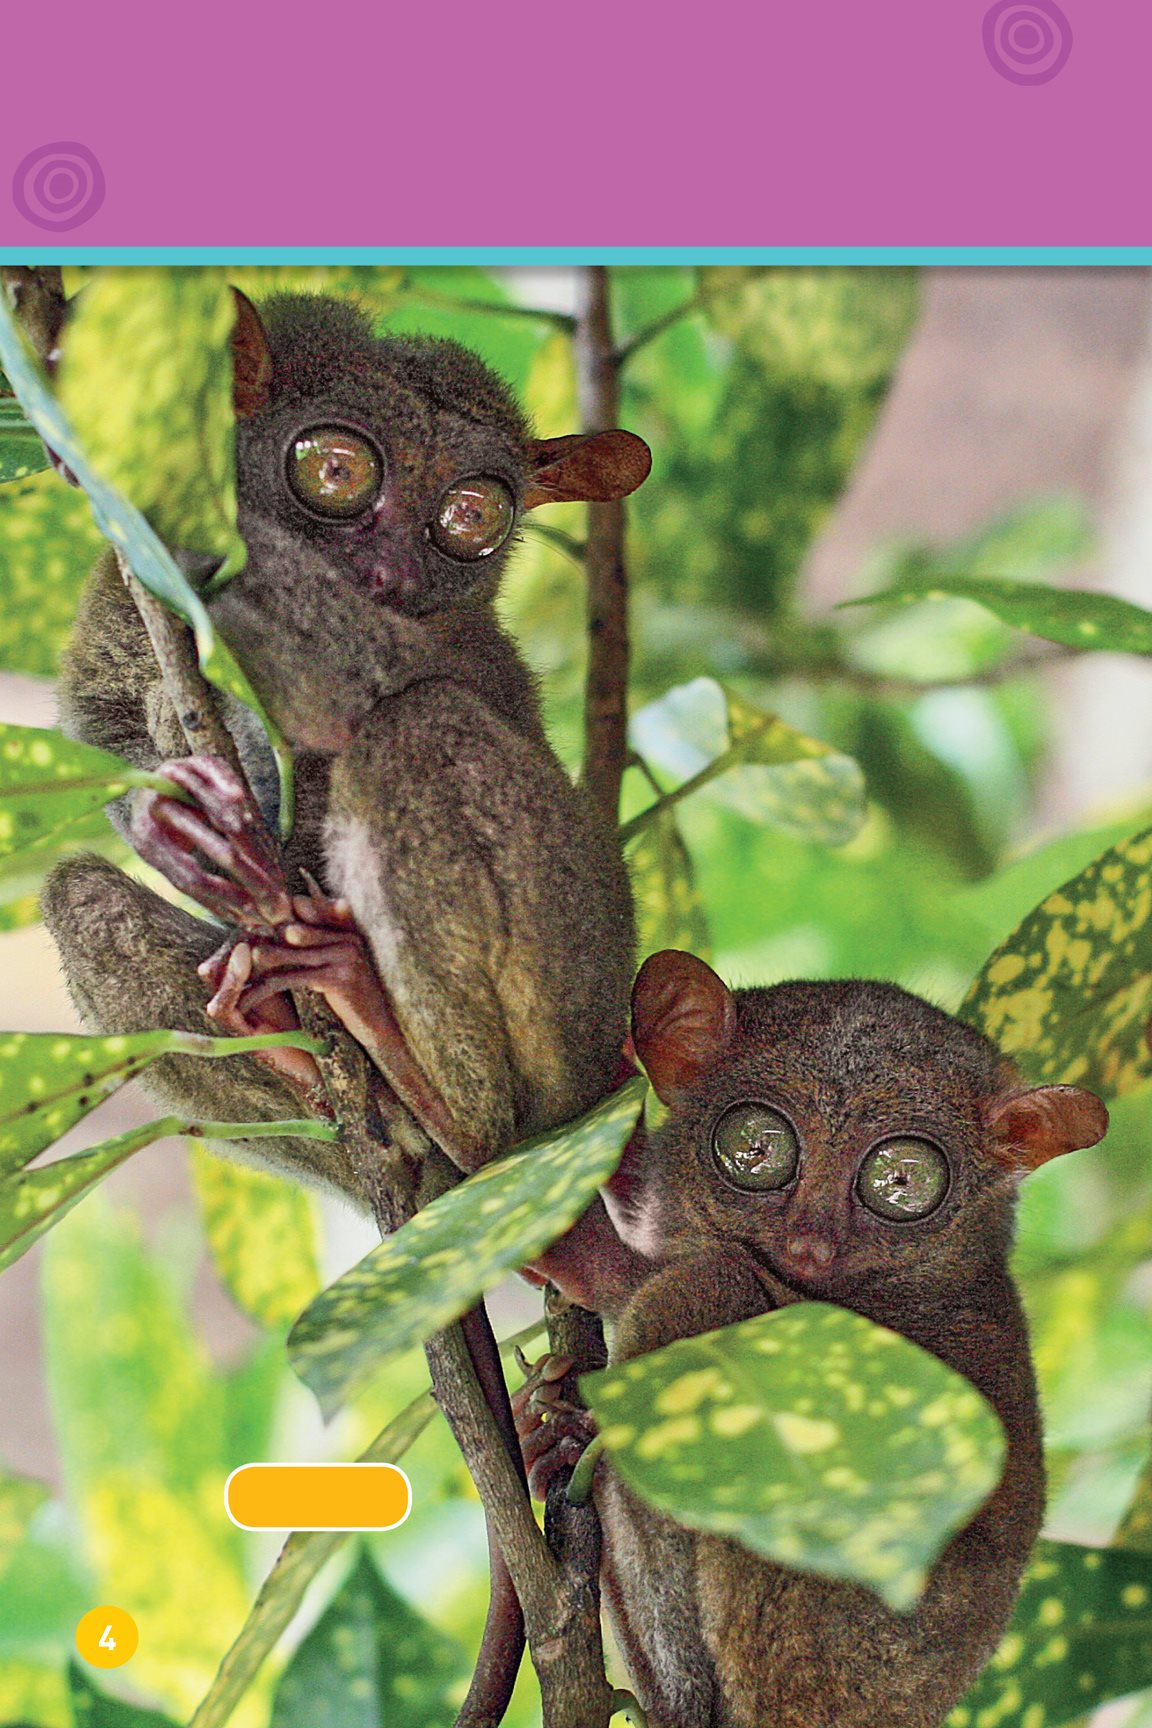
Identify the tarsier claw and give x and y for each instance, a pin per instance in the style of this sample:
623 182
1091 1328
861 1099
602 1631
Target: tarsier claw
218 826
553 1432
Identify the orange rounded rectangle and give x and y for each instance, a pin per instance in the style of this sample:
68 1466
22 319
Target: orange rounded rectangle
318 1496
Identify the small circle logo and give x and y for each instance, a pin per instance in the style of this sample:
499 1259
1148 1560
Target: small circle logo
58 186
1027 41
107 1637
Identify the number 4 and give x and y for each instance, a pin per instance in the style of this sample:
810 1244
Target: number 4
107 1642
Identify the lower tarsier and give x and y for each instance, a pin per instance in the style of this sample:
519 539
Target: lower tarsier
464 911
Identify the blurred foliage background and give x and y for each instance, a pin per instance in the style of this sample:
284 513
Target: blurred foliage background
158 1323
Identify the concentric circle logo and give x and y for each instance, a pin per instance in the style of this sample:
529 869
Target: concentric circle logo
1027 41
58 186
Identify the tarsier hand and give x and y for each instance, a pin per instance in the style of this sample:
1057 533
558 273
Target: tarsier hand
552 1432
214 846
217 849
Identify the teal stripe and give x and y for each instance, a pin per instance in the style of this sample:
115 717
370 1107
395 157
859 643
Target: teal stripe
564 255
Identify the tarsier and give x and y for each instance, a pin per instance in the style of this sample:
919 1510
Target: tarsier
464 909
845 1142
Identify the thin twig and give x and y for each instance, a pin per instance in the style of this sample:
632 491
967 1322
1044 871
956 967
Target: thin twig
606 681
711 289
189 692
563 542
504 308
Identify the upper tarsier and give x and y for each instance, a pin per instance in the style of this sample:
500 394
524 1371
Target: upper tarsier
467 915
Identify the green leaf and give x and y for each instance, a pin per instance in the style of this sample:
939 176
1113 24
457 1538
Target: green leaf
1074 617
302 1557
842 328
49 543
145 1436
750 761
49 1080
1081 1634
1135 1531
812 1436
33 1201
815 352
95 1709
130 532
21 452
435 1267
669 910
48 783
33 1694
20 1499
146 382
1069 994
22 873
370 1660
261 1232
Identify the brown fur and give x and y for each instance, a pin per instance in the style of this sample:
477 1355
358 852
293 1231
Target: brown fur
714 1636
495 903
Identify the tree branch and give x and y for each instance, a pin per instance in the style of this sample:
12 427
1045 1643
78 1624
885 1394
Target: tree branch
189 692
606 682
391 1163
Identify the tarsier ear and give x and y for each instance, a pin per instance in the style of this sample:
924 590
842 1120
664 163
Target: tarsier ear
251 359
683 1018
589 467
1029 1128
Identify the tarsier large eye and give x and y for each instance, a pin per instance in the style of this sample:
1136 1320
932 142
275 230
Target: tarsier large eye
334 472
475 518
903 1179
756 1147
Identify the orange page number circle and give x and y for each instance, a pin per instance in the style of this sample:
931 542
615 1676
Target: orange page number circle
107 1637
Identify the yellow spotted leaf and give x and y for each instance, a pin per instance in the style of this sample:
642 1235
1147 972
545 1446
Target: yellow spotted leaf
1080 1635
49 544
713 740
437 1265
1069 994
49 783
21 452
145 379
129 530
669 910
370 1660
261 1232
147 1431
812 1436
839 328
33 1201
49 1080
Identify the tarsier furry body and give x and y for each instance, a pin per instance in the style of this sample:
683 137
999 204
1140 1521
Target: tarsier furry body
492 897
714 1636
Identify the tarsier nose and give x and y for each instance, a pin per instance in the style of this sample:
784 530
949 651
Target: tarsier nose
809 1255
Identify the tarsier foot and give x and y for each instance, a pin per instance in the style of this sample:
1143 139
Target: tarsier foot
215 848
321 948
228 974
553 1432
